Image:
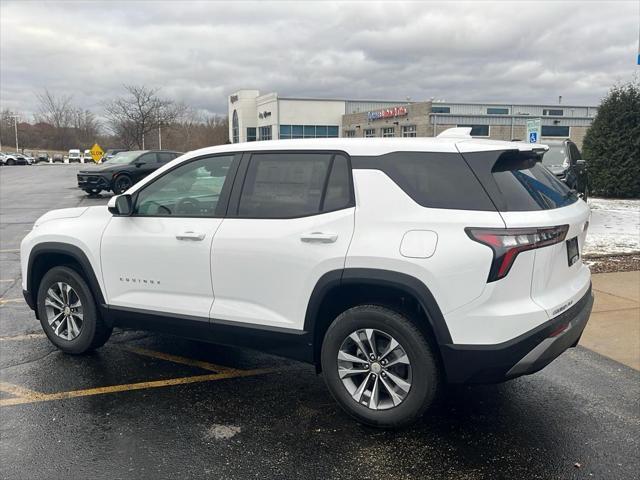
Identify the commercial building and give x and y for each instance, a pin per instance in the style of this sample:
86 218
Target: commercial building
265 117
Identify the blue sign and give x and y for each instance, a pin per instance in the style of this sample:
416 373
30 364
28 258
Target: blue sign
533 137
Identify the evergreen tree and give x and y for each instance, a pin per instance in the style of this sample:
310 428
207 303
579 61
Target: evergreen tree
612 144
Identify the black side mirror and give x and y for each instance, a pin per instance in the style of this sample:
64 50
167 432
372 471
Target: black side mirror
139 164
122 205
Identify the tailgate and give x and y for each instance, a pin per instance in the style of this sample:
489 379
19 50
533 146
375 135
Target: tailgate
555 284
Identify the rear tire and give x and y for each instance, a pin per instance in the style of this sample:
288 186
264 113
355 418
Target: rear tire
395 393
68 312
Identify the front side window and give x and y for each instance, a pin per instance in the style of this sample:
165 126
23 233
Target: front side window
388 132
148 158
190 190
575 153
164 157
409 131
286 185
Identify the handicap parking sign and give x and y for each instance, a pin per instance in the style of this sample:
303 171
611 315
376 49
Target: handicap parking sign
533 137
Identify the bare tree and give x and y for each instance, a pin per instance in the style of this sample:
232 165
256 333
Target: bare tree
86 127
57 111
140 112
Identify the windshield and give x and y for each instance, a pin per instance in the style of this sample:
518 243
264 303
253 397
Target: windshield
556 155
124 157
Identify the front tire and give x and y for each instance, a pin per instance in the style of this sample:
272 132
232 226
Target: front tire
379 367
68 312
122 184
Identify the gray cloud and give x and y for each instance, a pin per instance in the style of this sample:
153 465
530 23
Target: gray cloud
199 52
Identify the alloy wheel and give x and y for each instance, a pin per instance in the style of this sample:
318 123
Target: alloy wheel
375 369
64 311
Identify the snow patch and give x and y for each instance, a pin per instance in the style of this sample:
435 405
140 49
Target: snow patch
614 227
221 432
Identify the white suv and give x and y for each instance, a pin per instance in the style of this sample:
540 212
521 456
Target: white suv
393 265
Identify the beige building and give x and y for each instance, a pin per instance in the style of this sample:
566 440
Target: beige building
495 121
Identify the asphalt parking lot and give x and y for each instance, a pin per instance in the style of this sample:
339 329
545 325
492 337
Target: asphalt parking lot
152 406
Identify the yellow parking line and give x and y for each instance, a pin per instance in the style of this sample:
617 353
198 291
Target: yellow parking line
10 300
181 360
29 396
21 392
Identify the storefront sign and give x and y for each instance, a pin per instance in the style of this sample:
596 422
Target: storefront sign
388 113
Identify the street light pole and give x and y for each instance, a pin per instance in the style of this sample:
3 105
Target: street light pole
159 136
15 126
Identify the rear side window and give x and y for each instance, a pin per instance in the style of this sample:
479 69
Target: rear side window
435 180
517 182
296 184
164 157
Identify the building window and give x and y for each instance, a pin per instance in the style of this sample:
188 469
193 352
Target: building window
478 130
553 112
555 131
440 109
388 132
265 133
369 132
408 130
497 111
235 128
349 133
251 134
308 131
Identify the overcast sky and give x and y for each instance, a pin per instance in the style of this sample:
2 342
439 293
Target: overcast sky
199 52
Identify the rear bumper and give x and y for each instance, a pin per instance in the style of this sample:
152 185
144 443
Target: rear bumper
523 355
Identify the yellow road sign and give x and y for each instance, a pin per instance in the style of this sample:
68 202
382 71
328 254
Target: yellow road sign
96 152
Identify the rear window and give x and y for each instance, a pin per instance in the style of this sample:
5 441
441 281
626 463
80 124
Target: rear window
435 180
517 182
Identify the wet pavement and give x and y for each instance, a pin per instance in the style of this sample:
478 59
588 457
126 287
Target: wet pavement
153 406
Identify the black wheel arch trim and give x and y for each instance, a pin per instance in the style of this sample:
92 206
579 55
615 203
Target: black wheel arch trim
58 248
378 277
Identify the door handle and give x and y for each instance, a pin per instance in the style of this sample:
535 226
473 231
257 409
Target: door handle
193 236
319 237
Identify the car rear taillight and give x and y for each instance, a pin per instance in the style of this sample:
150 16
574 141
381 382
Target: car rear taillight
507 243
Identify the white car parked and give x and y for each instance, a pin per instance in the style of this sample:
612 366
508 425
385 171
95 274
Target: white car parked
74 156
393 265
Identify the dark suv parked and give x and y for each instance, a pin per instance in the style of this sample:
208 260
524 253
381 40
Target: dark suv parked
565 162
123 170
